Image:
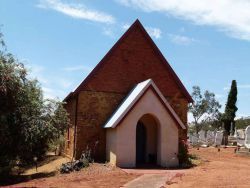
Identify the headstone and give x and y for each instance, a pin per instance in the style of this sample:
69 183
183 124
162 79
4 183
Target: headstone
202 136
218 138
241 133
210 137
193 139
240 137
240 142
247 138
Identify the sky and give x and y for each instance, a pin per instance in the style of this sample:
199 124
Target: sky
61 41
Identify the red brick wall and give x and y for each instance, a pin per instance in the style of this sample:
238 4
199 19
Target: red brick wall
94 109
133 60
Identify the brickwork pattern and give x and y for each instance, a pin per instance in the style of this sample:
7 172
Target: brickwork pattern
94 109
133 61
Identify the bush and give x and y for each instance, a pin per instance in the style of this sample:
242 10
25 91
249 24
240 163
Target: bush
183 153
57 145
28 123
77 165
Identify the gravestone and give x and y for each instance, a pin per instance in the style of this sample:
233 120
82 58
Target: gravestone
247 138
218 138
240 137
241 133
210 137
202 136
193 139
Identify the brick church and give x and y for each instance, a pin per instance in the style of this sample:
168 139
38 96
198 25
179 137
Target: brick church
131 109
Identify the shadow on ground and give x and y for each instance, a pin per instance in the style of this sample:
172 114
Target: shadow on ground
14 179
17 175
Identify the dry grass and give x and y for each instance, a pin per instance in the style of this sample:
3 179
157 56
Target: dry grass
218 169
97 175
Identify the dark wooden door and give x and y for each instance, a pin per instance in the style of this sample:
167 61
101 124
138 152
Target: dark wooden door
140 143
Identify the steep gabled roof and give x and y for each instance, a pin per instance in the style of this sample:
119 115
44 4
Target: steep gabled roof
135 25
132 99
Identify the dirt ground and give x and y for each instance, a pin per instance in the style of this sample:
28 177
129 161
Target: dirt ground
97 175
215 169
218 169
51 164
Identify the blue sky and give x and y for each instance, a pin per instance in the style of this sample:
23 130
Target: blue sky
61 41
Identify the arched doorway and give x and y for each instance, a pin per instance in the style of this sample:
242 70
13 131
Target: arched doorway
146 140
140 143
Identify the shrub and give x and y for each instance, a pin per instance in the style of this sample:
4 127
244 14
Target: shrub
183 153
77 165
28 123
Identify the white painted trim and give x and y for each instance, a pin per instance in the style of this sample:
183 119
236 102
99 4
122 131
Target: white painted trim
132 98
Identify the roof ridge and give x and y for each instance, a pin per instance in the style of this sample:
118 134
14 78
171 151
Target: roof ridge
156 50
108 54
166 63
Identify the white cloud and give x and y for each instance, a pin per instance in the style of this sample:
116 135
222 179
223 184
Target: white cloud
36 72
230 16
219 96
154 32
77 11
244 86
36 69
108 32
182 29
50 93
78 68
125 26
65 84
54 84
181 39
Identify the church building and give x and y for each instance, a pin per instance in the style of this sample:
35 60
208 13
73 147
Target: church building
131 109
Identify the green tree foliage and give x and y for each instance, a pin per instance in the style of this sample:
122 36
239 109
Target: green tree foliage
231 108
242 123
204 109
27 123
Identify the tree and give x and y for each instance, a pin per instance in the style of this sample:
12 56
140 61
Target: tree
28 123
59 122
205 108
242 123
231 108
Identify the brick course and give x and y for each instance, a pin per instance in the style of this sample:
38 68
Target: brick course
94 109
133 61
